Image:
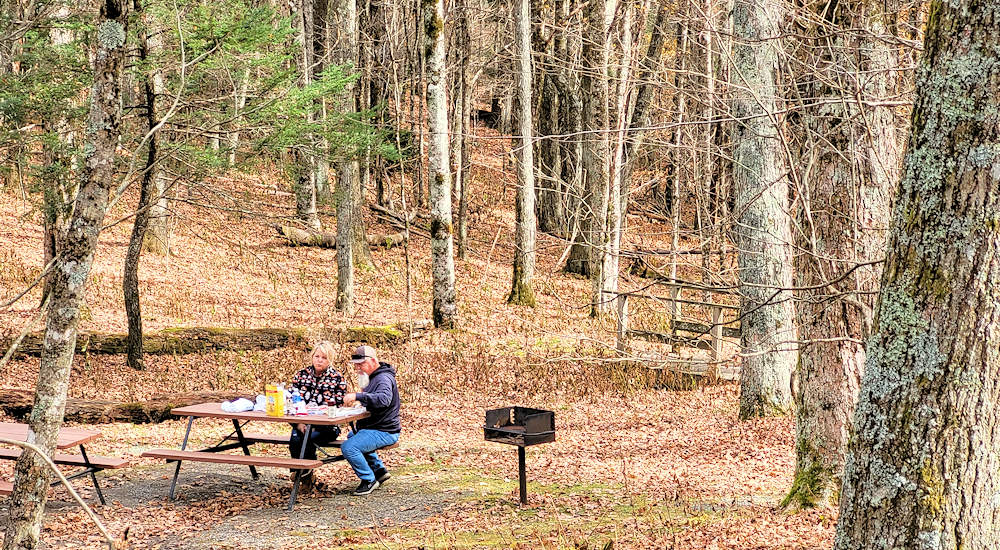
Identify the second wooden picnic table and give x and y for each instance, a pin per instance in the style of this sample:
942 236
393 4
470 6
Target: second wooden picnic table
238 439
68 438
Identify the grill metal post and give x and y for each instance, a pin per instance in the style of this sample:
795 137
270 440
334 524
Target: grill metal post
520 426
522 475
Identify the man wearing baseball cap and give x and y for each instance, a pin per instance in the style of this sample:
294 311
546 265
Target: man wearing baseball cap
381 397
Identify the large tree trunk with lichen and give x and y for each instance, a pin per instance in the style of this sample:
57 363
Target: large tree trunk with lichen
923 464
524 245
442 255
763 231
855 155
27 501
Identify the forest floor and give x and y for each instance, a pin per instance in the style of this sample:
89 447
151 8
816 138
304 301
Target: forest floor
632 464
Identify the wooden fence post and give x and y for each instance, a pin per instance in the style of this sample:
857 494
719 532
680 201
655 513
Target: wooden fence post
716 338
622 322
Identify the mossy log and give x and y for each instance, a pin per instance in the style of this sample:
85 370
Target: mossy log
181 341
301 237
17 404
386 336
176 341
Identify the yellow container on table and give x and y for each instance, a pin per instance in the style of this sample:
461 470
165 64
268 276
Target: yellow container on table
274 394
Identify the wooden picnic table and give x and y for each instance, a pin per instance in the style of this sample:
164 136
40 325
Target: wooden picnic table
68 438
240 440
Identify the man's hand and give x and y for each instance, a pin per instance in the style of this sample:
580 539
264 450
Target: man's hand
350 399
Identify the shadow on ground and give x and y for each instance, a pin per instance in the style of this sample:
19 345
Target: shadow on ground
318 516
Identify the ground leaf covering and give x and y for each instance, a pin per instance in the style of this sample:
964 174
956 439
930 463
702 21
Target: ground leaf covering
633 466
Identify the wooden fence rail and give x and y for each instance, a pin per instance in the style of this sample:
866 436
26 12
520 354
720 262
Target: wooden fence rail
717 331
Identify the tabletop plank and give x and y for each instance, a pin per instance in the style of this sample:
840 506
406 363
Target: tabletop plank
214 410
68 437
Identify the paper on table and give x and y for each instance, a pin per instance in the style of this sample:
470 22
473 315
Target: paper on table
346 411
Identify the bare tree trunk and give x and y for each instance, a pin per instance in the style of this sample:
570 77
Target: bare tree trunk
763 233
854 155
130 274
524 253
27 501
463 51
618 186
58 189
677 156
157 236
443 262
348 193
567 79
596 151
305 163
550 208
639 119
463 193
923 462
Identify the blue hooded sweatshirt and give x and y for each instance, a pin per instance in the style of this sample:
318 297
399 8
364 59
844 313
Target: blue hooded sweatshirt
381 398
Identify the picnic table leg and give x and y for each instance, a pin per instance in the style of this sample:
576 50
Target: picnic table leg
298 477
177 469
243 443
93 476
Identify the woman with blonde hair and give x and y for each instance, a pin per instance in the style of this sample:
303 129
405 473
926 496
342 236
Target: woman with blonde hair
318 384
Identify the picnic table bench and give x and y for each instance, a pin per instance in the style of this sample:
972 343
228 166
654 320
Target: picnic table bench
68 437
240 440
284 439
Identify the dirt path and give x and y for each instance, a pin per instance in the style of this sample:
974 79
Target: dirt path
211 489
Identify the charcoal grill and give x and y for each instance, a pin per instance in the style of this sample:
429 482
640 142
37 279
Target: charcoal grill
521 426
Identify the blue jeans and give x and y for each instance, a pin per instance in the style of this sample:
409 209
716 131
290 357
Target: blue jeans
359 450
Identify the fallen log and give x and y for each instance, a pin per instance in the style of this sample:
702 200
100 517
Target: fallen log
176 341
301 237
386 336
182 341
17 404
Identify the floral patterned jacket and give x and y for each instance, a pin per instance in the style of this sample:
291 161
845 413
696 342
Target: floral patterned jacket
324 389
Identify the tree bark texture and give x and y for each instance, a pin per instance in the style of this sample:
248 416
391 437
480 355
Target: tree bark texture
521 291
58 187
465 83
763 231
855 157
567 79
157 236
923 463
550 206
130 275
305 164
27 501
594 88
442 255
348 195
639 117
